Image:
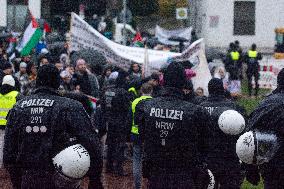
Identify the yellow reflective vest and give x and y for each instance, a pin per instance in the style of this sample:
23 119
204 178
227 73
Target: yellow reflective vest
134 128
252 54
133 90
235 56
7 102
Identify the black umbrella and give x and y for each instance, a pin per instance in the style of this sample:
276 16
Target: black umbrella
94 58
178 39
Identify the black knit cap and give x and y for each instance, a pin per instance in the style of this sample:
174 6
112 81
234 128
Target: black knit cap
174 76
5 65
280 79
215 86
48 76
188 85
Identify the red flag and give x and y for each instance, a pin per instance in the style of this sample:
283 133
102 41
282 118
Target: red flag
137 37
34 22
46 27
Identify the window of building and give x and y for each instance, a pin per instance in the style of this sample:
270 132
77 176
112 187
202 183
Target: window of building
16 14
17 2
244 18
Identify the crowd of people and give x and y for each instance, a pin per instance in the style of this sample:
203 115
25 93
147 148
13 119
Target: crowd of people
177 137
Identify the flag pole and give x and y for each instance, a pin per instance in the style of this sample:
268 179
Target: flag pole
69 40
146 62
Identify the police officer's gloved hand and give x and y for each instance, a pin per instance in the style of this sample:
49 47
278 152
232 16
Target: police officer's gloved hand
252 174
95 184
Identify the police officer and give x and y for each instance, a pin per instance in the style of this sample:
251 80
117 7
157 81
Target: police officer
251 58
134 87
223 161
175 135
268 118
146 91
233 63
115 107
42 125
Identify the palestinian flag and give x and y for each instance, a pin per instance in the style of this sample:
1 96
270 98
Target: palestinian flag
137 40
31 37
92 102
137 37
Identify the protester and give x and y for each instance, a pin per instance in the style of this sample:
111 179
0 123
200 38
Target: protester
86 80
43 60
200 92
154 80
66 81
135 71
188 91
59 65
221 73
104 78
115 103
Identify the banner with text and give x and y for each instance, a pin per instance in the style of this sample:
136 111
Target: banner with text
84 36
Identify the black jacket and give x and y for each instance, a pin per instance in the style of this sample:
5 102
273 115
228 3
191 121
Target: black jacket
252 63
5 89
115 103
223 154
175 134
41 125
268 117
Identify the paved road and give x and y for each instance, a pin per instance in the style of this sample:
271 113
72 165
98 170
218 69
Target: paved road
110 181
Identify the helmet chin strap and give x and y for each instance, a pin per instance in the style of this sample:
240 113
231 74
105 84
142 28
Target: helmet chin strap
255 148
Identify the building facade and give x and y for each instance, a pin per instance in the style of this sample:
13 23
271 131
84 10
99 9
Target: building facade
248 21
13 13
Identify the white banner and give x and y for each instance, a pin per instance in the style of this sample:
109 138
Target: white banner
83 36
163 35
269 69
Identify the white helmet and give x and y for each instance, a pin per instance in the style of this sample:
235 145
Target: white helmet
212 180
257 147
231 122
73 162
245 147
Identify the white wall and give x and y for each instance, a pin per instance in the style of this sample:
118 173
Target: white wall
3 13
269 15
35 8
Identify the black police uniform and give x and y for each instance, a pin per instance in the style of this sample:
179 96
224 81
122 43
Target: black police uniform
175 134
268 117
223 161
251 59
233 65
39 127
